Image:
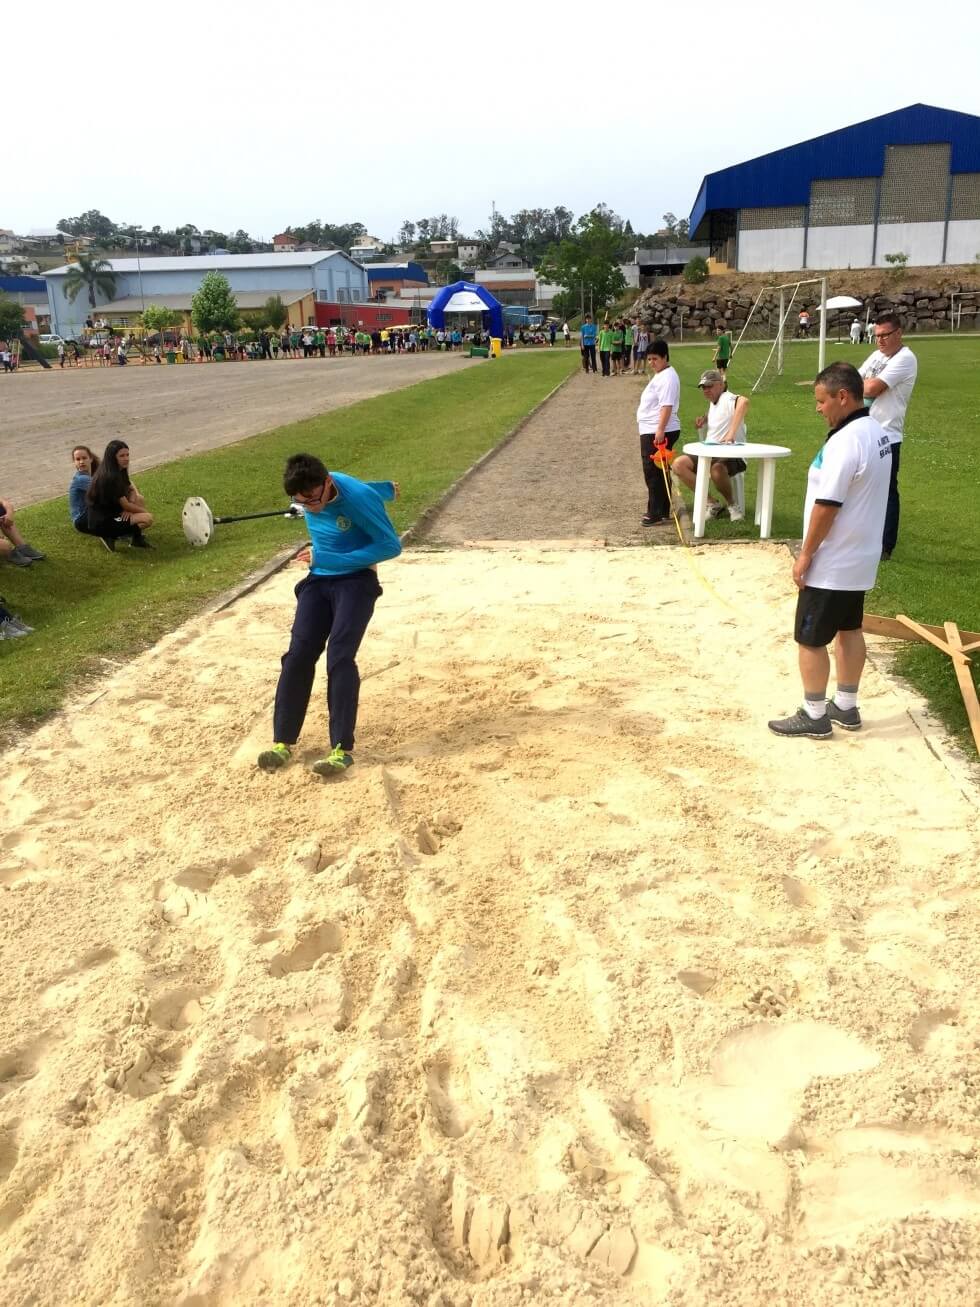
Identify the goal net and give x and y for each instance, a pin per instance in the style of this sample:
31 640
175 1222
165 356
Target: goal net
781 318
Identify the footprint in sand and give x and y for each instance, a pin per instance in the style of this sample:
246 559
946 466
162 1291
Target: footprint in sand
310 946
449 1092
932 1029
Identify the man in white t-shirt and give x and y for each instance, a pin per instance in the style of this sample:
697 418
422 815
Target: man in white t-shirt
847 491
658 418
889 375
725 421
856 331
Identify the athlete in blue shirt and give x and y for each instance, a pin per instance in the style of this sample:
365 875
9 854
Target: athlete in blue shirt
350 533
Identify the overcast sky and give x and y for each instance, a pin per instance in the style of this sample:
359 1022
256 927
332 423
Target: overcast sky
261 115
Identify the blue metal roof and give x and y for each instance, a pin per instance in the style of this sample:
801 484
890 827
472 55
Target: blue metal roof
22 285
784 176
396 272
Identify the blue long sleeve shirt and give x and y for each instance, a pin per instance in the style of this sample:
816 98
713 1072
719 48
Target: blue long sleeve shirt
353 531
77 504
587 333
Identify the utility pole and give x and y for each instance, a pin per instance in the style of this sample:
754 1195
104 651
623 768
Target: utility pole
139 273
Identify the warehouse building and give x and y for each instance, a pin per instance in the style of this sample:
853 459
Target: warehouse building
907 182
310 285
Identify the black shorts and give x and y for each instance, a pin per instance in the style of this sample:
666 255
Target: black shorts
733 465
820 614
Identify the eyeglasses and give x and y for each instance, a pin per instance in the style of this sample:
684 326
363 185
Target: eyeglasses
310 498
883 335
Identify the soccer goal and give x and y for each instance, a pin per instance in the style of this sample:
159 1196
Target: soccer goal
781 317
960 302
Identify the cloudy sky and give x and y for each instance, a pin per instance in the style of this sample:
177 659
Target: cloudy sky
261 115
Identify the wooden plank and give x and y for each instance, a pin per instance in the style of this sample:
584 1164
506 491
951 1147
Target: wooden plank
967 689
874 625
942 645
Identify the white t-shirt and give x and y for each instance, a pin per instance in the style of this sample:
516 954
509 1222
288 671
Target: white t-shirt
898 373
720 419
855 332
851 469
664 388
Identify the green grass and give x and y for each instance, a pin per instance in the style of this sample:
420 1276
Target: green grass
88 606
935 573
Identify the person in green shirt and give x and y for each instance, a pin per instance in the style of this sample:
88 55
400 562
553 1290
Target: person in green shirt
723 353
605 346
617 348
628 362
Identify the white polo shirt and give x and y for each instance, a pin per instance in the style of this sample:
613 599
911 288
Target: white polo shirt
664 388
852 470
898 373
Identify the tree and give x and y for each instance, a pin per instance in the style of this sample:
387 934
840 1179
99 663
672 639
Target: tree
586 263
91 223
158 318
673 232
11 319
696 270
213 307
406 234
446 272
276 314
92 274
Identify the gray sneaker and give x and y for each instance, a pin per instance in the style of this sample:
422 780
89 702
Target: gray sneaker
849 719
801 723
28 551
9 630
19 559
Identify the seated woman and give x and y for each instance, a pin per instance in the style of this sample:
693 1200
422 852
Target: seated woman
116 509
13 547
85 464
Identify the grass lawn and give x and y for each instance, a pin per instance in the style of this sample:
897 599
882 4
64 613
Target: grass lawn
935 572
89 607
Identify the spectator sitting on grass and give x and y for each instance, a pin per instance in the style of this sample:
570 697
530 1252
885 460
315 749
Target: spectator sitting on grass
85 464
13 547
116 509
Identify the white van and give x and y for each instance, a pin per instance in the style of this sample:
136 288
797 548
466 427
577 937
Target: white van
50 340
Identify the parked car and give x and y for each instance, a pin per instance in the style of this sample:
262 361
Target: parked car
48 339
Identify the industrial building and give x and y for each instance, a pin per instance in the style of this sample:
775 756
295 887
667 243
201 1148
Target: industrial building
323 285
390 279
907 182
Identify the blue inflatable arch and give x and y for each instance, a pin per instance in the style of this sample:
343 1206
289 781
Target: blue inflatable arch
492 308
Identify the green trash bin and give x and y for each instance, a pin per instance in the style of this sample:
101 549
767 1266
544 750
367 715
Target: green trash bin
479 352
171 356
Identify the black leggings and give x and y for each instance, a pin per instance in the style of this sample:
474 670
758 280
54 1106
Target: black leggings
109 528
658 494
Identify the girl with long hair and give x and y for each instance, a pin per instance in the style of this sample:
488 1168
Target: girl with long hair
116 509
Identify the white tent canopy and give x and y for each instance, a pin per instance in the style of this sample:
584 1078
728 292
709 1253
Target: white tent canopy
464 301
842 302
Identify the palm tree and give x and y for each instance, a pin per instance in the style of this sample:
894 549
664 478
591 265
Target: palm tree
93 274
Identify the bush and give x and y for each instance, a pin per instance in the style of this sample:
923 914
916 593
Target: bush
696 270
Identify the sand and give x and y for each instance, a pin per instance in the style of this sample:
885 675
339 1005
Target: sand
578 988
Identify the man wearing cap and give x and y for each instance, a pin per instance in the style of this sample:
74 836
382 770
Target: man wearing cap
846 494
889 375
725 421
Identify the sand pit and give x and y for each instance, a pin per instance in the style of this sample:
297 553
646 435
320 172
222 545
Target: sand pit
579 987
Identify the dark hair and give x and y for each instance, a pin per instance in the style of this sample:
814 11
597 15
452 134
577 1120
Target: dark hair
93 457
659 347
110 482
888 319
303 472
841 376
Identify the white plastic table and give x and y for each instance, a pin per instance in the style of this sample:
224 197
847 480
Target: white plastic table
704 453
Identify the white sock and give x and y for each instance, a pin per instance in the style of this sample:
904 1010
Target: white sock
846 696
815 708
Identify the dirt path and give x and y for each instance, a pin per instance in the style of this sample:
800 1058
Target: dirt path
572 472
167 412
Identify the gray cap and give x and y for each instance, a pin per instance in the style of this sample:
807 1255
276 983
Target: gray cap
711 377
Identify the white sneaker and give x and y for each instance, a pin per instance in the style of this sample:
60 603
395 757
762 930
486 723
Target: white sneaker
736 514
716 510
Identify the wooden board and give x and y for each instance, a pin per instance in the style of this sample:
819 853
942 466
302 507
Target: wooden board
897 630
965 681
941 644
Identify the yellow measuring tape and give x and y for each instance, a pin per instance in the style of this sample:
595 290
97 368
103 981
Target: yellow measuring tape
688 554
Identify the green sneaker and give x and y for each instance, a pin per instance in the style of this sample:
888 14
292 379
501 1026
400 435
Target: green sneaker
336 762
274 758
